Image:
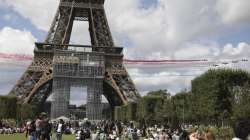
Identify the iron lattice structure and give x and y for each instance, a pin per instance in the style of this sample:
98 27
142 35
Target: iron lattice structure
35 85
78 69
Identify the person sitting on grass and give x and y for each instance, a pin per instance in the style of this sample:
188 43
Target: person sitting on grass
198 135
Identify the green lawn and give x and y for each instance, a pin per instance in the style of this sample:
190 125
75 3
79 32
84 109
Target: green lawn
22 137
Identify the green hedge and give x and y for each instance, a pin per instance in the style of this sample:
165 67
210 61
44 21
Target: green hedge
121 113
8 105
144 109
25 111
10 109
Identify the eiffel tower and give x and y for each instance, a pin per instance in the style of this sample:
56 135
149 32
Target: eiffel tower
37 82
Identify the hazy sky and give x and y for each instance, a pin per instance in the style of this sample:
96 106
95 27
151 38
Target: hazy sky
217 30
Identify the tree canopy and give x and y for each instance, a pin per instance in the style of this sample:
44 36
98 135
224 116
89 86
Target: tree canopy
216 97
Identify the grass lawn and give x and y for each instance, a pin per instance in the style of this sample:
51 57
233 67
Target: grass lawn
22 137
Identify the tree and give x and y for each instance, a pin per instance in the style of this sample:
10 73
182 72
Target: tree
213 92
216 97
25 111
160 93
240 103
8 106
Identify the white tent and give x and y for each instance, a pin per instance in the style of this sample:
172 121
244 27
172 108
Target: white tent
65 119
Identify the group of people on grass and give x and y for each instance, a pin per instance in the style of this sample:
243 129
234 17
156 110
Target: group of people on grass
6 128
42 128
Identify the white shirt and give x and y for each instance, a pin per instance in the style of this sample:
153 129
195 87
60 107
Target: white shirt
59 128
78 135
94 136
236 139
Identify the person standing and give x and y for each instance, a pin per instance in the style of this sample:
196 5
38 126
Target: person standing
95 135
176 135
31 130
38 125
1 124
59 130
46 130
79 135
162 136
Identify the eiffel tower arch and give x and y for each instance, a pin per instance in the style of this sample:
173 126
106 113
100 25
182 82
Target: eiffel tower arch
56 54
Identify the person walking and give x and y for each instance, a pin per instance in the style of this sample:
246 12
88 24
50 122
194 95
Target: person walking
59 130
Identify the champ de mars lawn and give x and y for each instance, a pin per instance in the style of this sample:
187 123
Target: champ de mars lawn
22 137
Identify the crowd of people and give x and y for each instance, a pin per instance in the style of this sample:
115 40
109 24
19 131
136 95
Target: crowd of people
43 128
6 128
109 130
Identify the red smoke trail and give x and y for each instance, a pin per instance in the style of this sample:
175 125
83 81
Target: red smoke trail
17 57
22 57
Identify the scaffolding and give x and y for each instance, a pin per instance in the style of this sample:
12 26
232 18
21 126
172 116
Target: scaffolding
77 68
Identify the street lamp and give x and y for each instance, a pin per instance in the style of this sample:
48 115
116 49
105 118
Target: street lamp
183 112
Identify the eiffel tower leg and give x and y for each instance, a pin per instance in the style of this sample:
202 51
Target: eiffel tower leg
118 82
64 27
25 84
61 27
52 30
30 88
100 29
36 79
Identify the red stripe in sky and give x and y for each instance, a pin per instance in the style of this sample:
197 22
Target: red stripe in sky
22 57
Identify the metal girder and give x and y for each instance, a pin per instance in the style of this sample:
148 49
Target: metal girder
81 5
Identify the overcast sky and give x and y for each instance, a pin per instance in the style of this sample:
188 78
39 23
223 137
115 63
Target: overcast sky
217 30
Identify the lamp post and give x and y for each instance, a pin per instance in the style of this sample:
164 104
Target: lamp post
183 112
